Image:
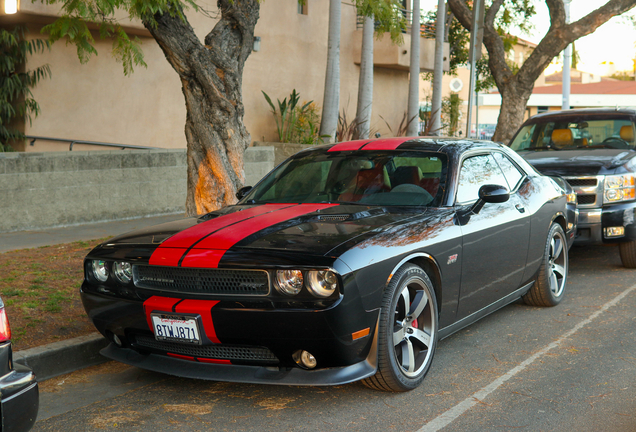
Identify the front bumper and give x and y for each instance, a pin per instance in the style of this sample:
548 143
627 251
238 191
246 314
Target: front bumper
265 338
19 399
592 223
242 373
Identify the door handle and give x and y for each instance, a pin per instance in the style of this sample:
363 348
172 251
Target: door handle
520 208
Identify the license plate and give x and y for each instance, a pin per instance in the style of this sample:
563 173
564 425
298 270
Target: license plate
175 328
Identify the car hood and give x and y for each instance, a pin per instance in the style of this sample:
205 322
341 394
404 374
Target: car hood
314 229
581 162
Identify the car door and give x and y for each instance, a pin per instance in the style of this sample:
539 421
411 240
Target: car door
495 240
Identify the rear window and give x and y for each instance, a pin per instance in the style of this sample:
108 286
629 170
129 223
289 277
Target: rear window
569 134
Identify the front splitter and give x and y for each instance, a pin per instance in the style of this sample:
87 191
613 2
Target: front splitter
240 373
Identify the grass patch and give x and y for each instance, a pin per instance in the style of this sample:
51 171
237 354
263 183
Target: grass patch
40 290
11 292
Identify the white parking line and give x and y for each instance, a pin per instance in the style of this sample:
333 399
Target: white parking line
447 417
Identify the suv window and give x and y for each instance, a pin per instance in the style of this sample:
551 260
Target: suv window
576 133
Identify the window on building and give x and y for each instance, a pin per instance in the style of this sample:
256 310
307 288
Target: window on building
542 109
303 8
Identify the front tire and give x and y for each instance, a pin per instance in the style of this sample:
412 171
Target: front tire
549 286
407 332
628 254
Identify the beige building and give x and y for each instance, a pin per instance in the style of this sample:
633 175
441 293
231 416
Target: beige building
96 102
484 115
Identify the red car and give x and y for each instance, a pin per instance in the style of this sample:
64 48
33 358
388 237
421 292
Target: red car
19 397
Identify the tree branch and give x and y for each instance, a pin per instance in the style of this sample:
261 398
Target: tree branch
556 9
560 36
463 14
176 38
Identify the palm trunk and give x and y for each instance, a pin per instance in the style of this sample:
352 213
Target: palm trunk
413 116
365 84
211 78
331 100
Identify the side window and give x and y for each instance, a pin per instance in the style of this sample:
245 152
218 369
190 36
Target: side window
477 171
510 171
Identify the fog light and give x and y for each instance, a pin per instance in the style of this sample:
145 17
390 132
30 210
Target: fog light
570 226
305 359
117 340
614 231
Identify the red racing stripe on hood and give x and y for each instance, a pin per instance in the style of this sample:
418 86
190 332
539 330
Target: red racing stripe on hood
386 143
172 249
224 239
203 308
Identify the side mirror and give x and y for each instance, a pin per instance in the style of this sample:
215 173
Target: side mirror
494 194
243 191
491 194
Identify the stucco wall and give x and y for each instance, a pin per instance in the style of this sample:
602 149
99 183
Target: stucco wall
96 102
40 190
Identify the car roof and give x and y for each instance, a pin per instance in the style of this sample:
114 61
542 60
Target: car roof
433 144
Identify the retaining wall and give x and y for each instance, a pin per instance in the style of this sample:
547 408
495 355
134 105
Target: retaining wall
43 190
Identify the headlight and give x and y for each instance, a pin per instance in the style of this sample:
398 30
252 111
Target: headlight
619 188
123 271
289 282
100 270
322 283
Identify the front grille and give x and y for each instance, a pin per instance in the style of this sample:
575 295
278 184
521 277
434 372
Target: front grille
586 199
582 181
202 281
261 355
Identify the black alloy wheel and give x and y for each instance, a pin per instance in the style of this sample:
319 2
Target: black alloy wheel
549 285
407 332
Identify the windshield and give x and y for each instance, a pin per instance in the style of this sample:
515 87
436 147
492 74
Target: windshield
364 177
565 134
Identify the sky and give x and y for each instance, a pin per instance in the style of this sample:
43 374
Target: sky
613 42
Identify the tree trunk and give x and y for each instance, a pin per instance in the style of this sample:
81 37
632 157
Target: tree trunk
331 100
515 89
211 77
365 84
513 106
413 116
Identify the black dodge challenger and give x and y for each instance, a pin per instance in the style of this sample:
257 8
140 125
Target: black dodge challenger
347 262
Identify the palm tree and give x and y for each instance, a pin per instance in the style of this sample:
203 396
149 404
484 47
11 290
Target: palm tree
365 84
414 72
331 100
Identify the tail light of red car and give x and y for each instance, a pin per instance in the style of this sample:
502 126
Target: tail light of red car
5 330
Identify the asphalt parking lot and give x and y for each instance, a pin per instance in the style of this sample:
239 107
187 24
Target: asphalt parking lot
571 367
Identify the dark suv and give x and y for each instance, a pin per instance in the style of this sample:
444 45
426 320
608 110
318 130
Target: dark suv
594 150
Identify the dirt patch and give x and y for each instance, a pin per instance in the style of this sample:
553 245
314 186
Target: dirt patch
86 375
191 409
274 403
40 290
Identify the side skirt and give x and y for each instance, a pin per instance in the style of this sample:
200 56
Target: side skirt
476 316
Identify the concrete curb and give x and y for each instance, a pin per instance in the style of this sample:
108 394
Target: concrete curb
62 357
